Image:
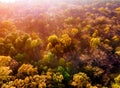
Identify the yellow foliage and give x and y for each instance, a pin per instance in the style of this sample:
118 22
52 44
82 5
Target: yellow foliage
4 73
35 43
53 39
88 26
59 47
117 82
66 40
115 85
49 45
101 19
8 24
19 42
65 31
1 40
49 57
94 42
78 19
117 50
5 60
74 31
117 10
95 33
28 43
62 62
115 38
107 41
58 77
28 69
101 9
19 82
80 80
107 29
42 85
34 35
69 20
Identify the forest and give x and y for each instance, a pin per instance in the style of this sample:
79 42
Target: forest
60 44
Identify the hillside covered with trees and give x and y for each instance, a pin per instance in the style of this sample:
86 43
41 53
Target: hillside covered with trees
60 44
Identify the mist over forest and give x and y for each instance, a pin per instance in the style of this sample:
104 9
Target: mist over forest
60 44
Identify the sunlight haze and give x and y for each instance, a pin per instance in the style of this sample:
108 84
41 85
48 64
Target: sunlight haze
8 1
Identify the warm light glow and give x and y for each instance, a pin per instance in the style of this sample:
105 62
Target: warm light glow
7 1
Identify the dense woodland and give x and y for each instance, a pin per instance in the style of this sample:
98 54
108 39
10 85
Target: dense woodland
62 44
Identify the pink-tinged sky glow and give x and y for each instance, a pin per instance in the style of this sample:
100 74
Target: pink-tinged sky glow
8 1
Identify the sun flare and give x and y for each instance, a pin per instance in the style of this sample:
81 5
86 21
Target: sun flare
7 1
